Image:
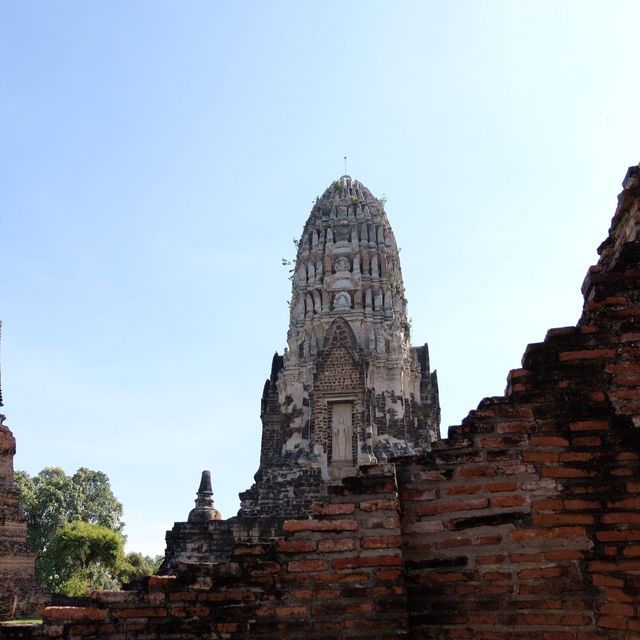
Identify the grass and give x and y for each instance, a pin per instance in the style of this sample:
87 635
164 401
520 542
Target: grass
19 621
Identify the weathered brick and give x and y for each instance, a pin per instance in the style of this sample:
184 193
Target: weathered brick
381 542
508 501
562 518
141 612
612 622
591 354
549 441
378 505
589 425
462 490
371 561
539 573
333 509
514 427
551 532
292 526
540 456
296 611
74 613
477 472
567 472
499 487
296 546
622 517
307 565
160 582
336 544
587 441
433 508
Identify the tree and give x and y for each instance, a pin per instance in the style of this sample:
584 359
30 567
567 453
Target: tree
52 500
138 566
86 557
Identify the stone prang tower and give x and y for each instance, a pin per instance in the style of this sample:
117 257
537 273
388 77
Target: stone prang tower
349 390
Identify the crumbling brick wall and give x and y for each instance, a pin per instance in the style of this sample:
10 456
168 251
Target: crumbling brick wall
525 521
339 572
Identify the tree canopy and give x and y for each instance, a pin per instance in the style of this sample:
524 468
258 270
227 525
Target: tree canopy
53 502
85 557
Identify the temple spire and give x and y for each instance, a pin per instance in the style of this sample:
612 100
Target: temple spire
204 509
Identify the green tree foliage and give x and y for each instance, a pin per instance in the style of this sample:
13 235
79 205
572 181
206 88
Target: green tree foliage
138 566
52 500
85 557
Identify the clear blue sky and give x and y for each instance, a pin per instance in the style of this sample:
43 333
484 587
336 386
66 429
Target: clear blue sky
157 158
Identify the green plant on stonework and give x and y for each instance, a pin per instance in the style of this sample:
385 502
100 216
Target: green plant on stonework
338 186
289 263
383 199
354 199
621 226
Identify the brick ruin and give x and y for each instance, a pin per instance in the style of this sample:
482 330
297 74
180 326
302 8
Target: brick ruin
522 523
18 592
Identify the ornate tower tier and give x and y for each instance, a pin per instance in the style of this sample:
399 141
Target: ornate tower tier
349 389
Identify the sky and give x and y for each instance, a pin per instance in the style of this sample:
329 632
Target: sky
157 159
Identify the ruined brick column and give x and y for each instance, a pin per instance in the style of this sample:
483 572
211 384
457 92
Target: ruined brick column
18 592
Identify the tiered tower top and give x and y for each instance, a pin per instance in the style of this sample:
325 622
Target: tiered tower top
347 266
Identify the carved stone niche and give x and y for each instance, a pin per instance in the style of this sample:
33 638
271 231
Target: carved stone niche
342 433
342 233
342 280
342 265
342 301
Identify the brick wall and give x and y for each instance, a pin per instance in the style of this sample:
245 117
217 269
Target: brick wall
525 521
337 573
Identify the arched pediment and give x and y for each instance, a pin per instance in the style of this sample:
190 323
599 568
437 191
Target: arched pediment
341 334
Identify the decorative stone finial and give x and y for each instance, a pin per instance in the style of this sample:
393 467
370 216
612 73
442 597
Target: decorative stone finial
205 485
204 509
